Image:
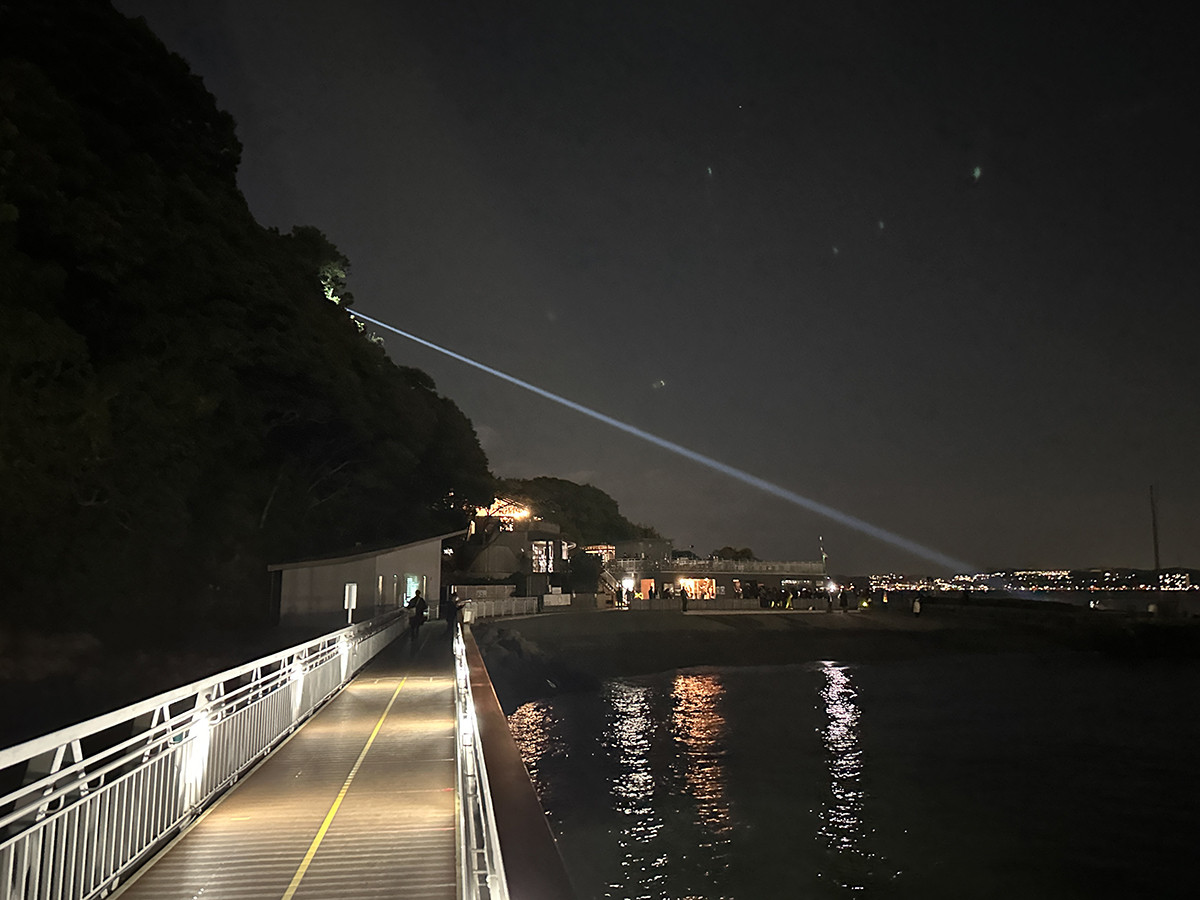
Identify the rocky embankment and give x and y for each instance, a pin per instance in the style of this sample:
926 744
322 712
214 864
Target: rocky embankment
537 656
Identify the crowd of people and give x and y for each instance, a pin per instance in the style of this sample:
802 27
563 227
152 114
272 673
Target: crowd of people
792 597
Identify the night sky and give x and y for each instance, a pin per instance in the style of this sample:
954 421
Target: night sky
932 264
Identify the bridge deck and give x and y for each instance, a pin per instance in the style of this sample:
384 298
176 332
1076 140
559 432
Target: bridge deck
359 803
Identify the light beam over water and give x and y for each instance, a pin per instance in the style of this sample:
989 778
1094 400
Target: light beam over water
864 527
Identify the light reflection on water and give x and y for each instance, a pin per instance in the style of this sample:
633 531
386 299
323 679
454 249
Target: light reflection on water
660 757
842 818
655 755
842 827
700 730
538 741
627 737
982 777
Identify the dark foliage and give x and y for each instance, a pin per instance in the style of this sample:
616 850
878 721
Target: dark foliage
586 514
734 553
583 573
179 401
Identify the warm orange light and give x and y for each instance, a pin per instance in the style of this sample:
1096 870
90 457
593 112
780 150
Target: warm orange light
503 508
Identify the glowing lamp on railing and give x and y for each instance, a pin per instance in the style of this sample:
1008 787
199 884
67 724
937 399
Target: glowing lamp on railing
296 685
344 654
193 757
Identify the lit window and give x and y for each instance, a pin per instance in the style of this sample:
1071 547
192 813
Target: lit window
543 556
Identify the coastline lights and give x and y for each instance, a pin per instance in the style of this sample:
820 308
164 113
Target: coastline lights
762 484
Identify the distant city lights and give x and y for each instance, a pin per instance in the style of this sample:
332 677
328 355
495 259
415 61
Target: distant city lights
1042 580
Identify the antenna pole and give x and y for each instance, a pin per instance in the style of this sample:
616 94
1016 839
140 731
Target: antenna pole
1154 526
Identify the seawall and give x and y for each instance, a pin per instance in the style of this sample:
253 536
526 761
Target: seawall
536 656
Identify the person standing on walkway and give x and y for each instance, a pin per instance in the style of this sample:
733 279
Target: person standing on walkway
417 609
451 610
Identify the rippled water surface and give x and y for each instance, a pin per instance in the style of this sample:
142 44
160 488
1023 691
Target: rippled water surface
1013 776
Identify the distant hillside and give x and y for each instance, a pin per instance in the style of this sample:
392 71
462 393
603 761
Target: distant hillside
181 400
585 513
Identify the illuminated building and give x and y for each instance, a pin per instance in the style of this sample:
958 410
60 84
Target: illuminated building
606 553
652 568
506 541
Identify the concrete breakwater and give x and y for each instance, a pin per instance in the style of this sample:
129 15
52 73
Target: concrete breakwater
536 656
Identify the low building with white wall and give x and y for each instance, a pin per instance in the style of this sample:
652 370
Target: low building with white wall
318 591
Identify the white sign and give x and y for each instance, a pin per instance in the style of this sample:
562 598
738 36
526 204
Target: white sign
351 601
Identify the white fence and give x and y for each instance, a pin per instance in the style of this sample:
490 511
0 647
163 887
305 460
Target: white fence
491 609
100 797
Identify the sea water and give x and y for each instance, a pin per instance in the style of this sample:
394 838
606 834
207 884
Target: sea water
1006 776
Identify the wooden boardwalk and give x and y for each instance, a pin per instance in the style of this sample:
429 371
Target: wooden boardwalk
358 803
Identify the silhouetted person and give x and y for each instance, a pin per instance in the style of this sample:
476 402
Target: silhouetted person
417 610
448 612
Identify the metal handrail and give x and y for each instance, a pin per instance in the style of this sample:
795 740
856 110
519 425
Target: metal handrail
507 606
97 799
481 863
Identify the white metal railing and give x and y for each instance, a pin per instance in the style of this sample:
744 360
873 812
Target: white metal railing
480 860
507 606
98 798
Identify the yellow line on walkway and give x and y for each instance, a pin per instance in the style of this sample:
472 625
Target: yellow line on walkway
312 850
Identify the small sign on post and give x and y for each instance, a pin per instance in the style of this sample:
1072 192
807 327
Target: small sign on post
351 600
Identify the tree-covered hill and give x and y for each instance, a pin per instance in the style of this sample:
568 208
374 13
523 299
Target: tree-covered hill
180 400
585 513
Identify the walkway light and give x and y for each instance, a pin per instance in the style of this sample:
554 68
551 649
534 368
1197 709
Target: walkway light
296 684
193 756
344 654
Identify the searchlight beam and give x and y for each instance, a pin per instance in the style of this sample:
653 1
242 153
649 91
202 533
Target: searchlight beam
864 527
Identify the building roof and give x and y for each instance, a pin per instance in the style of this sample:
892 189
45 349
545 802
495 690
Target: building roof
360 553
